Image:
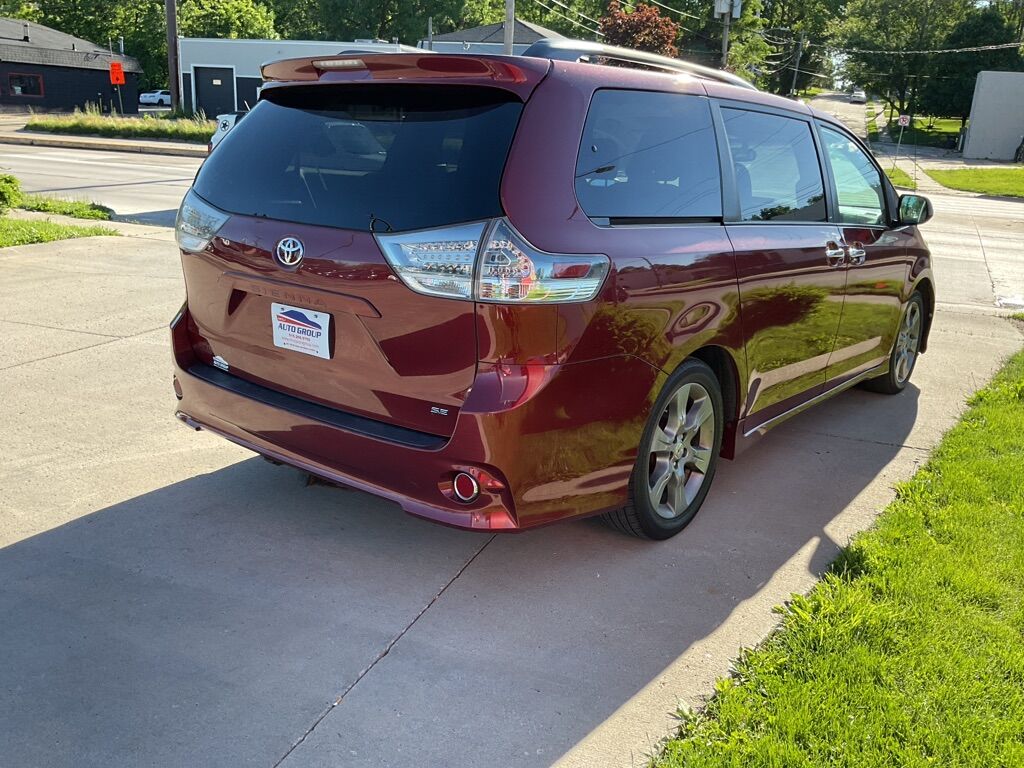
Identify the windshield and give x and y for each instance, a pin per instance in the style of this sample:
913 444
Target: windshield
402 157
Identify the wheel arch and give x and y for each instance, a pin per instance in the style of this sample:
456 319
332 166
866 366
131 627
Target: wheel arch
927 290
722 364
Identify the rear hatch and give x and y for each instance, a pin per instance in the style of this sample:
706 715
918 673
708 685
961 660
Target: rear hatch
315 171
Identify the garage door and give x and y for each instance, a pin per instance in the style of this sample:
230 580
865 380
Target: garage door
215 90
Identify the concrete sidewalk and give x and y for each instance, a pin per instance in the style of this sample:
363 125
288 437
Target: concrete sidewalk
169 599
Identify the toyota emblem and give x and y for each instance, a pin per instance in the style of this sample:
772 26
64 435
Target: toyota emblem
289 252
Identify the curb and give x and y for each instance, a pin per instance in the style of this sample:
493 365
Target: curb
106 145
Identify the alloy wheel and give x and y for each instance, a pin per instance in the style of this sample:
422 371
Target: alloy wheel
681 450
907 343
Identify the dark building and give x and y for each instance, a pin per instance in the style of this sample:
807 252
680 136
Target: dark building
43 69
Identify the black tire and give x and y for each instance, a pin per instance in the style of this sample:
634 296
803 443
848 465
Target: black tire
640 516
895 380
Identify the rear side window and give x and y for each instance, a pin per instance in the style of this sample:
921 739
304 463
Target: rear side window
649 156
778 177
402 157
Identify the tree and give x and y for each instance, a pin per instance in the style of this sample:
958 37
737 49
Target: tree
949 90
784 23
892 26
645 29
226 18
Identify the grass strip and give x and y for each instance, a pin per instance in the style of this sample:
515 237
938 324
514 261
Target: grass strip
900 178
987 181
909 651
22 232
76 208
193 130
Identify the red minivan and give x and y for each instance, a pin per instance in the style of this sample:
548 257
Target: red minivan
505 291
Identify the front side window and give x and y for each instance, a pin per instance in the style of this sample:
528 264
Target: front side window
649 156
25 85
859 190
778 177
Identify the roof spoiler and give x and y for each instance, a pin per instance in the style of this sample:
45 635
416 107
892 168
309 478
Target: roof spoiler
561 49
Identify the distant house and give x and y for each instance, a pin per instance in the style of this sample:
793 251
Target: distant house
43 69
490 38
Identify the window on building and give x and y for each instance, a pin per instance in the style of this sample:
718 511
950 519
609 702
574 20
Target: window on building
649 156
778 176
25 85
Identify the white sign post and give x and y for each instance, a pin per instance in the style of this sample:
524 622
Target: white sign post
904 121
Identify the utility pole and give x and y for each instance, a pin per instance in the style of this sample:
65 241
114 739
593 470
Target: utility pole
430 33
171 11
725 40
728 10
796 66
510 25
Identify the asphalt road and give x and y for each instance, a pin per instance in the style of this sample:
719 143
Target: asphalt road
145 188
167 599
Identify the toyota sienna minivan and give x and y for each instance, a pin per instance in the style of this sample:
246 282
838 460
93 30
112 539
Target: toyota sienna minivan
505 291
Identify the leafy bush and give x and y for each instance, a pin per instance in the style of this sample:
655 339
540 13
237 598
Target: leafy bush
10 192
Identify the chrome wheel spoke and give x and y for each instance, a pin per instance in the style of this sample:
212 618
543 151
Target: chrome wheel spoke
679 496
700 412
701 459
661 442
677 410
658 484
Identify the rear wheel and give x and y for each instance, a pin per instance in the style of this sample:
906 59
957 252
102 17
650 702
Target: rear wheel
677 458
904 351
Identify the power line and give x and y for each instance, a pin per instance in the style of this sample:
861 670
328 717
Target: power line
578 13
971 49
570 20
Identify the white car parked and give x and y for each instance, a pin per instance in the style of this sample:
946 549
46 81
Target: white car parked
155 98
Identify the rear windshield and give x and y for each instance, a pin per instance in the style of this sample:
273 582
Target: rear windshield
401 157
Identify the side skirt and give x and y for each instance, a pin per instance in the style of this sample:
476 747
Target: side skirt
760 429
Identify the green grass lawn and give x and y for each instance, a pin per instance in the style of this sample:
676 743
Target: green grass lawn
195 130
75 208
909 651
21 232
900 178
870 112
926 131
989 181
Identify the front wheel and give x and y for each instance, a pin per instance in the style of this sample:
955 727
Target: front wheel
677 458
904 351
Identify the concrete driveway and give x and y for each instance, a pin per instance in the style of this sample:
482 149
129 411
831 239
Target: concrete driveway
166 599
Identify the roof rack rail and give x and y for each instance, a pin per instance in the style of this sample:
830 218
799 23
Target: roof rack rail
584 50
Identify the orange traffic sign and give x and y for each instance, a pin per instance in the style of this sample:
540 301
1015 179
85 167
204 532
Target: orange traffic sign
116 73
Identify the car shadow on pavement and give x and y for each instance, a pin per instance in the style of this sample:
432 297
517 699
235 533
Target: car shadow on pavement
214 621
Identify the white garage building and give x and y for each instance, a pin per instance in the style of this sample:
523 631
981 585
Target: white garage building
219 76
997 116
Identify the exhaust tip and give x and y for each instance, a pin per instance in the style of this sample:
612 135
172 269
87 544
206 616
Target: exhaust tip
465 487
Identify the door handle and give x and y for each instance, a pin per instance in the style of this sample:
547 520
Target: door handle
835 254
855 254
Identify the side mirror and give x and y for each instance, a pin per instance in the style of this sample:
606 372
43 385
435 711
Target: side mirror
915 209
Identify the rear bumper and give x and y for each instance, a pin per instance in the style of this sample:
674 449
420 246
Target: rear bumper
560 440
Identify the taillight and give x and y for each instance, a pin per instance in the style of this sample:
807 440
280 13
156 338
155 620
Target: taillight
197 222
438 262
491 262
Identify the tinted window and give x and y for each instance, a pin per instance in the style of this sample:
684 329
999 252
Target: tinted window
410 158
649 156
777 172
858 183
